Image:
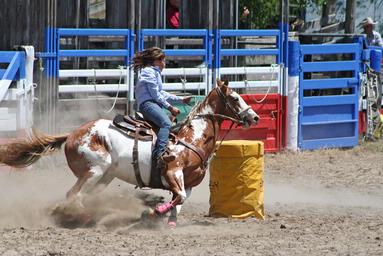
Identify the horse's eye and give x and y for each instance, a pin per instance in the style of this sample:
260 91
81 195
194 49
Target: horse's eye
236 99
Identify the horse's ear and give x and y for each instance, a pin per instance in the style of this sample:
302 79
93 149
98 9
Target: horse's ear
226 82
219 82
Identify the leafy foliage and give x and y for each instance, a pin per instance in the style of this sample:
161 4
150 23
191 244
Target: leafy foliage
266 13
263 13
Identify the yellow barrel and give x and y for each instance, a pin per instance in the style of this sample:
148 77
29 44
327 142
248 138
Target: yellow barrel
236 180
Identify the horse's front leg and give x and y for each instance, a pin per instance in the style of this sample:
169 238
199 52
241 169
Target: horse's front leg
172 220
175 179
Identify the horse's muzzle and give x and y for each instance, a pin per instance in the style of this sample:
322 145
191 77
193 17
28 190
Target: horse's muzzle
253 119
250 118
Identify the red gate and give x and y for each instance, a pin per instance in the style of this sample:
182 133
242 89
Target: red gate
269 129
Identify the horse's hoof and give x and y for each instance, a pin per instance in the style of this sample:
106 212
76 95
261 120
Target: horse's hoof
150 219
88 221
172 224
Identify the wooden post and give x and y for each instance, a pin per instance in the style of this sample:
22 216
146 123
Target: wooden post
350 17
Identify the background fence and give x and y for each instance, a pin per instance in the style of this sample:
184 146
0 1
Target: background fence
16 91
328 76
329 102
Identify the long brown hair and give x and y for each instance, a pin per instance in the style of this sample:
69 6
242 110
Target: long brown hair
147 57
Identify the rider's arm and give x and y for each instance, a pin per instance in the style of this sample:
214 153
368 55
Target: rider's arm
170 96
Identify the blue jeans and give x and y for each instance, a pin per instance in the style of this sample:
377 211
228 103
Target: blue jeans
154 113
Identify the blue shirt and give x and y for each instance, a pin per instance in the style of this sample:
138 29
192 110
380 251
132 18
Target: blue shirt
149 87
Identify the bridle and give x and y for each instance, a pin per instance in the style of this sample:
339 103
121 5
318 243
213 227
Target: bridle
239 118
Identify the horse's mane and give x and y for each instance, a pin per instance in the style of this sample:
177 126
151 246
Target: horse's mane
193 112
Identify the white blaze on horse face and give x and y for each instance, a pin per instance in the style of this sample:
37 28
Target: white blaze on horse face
199 125
245 109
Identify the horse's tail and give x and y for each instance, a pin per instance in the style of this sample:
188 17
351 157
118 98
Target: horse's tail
24 152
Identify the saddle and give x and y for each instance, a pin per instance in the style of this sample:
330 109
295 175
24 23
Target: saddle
135 127
140 130
146 129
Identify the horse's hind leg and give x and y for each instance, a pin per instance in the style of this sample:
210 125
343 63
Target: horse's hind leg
94 180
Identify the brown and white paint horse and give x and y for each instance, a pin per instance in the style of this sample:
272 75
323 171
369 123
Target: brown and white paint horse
96 153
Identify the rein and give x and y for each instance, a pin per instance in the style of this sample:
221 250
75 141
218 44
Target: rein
201 154
227 105
223 117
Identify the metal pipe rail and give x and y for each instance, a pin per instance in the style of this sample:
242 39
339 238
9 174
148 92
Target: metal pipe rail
127 53
219 52
205 36
273 77
205 51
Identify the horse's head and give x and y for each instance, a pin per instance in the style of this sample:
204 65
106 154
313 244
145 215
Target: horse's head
234 105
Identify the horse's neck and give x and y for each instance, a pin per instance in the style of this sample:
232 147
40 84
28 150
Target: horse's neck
202 126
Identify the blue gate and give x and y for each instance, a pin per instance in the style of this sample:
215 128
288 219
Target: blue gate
16 90
329 95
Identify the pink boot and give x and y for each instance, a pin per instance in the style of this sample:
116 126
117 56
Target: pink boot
163 208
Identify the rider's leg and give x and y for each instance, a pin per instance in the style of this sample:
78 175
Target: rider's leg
154 113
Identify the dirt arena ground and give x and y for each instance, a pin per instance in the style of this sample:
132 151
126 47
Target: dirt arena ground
327 202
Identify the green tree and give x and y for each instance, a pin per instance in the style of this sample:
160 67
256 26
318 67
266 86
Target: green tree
266 13
263 13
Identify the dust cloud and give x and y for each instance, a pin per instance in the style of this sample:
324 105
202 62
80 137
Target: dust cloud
313 194
27 195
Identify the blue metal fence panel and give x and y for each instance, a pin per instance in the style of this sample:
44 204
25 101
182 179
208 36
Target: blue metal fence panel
220 52
330 120
330 83
90 53
16 65
204 51
53 46
322 66
93 32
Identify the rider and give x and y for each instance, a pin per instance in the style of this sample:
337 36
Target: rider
151 98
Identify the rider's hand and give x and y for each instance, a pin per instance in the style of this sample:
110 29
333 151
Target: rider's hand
186 99
174 111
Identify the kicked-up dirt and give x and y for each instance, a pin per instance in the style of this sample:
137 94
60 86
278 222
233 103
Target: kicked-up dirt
325 202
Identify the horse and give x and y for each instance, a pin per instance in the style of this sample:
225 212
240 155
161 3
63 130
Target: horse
97 152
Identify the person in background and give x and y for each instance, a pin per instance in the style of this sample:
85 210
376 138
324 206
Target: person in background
244 19
151 99
173 13
373 38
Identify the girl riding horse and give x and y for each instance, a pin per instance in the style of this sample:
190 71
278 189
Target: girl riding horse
97 152
151 98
